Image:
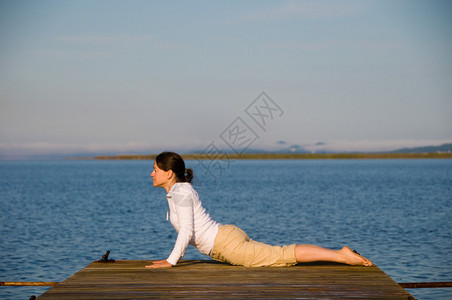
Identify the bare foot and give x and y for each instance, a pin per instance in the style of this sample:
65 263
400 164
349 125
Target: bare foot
353 258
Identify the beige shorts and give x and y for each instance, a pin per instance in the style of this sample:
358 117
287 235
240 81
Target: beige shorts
232 245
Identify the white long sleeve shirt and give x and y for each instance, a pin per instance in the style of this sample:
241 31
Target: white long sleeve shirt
191 221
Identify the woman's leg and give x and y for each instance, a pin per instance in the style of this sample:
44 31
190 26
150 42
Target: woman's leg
311 253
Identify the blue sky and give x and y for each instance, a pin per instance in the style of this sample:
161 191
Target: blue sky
146 76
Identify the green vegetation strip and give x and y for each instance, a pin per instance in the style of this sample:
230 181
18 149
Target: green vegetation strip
199 156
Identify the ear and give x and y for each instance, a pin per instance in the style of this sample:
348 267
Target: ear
170 174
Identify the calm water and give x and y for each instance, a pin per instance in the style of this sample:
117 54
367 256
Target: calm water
57 217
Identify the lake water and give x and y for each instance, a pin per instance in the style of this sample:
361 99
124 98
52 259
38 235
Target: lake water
59 216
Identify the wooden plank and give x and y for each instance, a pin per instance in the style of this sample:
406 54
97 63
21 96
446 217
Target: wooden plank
28 283
207 279
425 285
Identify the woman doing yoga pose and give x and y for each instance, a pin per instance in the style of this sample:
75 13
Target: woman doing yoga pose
226 243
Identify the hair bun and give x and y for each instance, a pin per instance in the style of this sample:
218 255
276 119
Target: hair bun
189 175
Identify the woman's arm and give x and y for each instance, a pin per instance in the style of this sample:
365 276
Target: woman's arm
185 215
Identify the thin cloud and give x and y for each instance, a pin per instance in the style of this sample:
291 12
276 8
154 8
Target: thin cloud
10 149
64 55
148 41
106 39
304 9
336 44
372 145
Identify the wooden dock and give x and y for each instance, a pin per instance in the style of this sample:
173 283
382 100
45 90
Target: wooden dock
206 279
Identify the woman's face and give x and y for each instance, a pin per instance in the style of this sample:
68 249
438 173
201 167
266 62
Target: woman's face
159 176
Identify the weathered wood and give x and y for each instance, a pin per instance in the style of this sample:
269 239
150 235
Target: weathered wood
28 283
425 285
209 279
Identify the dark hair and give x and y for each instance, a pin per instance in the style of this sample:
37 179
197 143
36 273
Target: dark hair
174 162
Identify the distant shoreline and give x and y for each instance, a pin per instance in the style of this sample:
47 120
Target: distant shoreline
233 156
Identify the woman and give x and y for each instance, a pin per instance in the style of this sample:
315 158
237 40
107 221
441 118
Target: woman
226 243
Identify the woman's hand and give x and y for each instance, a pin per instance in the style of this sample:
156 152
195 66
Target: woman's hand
160 264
